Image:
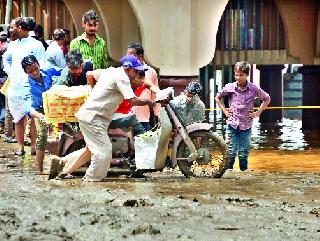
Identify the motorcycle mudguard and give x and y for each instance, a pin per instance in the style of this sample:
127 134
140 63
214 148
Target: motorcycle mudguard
166 129
190 128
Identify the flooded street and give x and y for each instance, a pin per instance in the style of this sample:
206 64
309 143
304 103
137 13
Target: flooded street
279 200
259 206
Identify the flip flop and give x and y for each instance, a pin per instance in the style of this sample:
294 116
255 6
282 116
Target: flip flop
19 153
9 139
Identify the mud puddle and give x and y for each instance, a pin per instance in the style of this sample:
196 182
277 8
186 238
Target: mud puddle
253 205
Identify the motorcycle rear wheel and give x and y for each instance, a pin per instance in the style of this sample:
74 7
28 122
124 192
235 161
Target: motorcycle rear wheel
213 157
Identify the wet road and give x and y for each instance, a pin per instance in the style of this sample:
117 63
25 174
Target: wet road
280 200
255 206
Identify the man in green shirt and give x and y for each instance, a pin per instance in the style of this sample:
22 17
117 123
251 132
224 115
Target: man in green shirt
89 44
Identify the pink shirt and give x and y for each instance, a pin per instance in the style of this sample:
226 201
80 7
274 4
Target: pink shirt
143 112
241 103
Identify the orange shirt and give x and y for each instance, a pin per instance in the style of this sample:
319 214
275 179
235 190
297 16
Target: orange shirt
125 106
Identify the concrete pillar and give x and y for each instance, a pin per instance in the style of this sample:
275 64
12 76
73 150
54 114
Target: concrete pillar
77 9
310 97
120 24
271 82
179 36
300 17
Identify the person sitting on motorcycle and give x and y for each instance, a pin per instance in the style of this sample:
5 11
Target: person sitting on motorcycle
124 116
95 115
74 74
189 107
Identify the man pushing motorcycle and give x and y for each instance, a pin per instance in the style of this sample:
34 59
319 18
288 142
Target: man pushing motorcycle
113 86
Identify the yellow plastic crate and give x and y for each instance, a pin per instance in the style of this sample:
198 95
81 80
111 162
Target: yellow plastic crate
61 102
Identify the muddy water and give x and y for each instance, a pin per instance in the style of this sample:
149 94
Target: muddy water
256 205
286 135
251 206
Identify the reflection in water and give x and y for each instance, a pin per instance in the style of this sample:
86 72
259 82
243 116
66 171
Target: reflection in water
285 135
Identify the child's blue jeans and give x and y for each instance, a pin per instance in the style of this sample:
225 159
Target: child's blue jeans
2 114
239 141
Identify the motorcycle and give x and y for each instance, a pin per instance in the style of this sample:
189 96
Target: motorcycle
194 148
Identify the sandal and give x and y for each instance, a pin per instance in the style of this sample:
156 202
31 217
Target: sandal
19 153
61 176
9 139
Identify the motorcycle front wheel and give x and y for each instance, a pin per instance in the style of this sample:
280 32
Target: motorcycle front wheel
213 156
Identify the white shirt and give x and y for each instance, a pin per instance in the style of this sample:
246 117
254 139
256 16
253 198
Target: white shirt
112 87
55 56
19 86
16 51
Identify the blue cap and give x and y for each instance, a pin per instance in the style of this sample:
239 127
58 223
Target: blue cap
131 61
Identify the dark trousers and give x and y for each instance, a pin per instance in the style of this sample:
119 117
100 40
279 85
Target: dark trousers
129 121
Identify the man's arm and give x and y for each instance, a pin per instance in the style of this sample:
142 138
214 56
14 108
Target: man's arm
61 61
7 59
40 54
36 114
226 111
135 101
265 98
262 107
151 86
62 79
93 76
29 110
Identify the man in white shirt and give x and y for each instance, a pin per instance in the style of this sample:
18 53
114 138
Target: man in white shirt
24 45
113 85
54 53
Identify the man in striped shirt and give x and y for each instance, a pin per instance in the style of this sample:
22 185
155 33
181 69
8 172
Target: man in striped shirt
89 44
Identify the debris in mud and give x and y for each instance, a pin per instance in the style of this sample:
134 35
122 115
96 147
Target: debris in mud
315 211
8 220
149 229
309 181
136 203
11 165
227 228
247 201
238 200
130 203
181 197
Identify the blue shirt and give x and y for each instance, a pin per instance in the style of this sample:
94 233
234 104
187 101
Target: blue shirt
34 98
55 56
